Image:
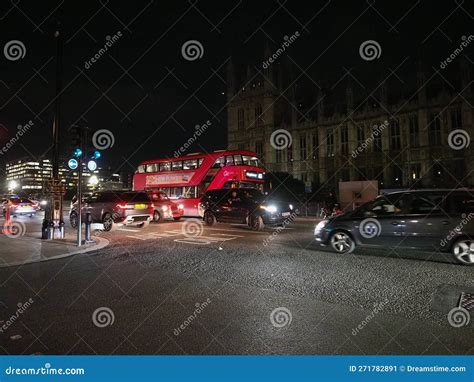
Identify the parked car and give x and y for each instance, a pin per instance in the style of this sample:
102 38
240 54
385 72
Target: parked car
164 207
18 207
243 205
426 219
113 208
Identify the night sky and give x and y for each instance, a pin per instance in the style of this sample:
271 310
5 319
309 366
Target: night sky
142 86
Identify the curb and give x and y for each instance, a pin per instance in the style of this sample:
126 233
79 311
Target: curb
102 243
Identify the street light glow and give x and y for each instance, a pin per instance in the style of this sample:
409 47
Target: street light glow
12 185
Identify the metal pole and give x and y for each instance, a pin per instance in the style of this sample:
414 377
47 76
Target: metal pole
79 202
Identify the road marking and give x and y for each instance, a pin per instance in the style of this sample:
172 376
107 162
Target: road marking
237 230
128 230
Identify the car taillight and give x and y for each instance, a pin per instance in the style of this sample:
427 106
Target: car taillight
122 206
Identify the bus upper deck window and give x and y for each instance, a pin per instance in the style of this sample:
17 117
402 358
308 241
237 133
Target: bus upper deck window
238 160
219 162
165 166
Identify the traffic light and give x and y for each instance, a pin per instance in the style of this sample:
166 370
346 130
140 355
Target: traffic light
76 136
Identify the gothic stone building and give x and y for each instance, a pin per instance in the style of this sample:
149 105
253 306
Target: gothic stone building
334 140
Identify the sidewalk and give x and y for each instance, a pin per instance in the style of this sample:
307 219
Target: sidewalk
31 249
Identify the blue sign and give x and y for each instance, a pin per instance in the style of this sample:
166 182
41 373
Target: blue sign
73 163
92 165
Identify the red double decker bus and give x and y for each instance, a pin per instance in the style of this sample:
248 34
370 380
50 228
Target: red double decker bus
185 179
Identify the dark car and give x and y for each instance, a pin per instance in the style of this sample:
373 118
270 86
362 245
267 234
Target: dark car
113 208
440 220
243 205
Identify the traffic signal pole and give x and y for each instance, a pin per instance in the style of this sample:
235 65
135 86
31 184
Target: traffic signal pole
54 214
79 202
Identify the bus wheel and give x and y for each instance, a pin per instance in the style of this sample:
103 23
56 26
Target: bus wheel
157 217
209 218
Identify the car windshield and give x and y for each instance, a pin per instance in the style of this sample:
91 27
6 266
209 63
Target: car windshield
253 194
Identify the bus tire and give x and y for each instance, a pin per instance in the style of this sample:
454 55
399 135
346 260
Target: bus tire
209 218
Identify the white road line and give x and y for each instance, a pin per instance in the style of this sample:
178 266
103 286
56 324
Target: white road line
128 230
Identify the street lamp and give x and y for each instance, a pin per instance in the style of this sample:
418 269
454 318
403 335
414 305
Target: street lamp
12 185
93 180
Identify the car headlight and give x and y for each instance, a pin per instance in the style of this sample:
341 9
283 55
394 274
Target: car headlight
272 209
164 208
320 226
44 202
291 207
180 207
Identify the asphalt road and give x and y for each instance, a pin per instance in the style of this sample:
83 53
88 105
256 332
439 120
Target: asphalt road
181 288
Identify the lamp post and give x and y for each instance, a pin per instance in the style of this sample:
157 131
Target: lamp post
54 215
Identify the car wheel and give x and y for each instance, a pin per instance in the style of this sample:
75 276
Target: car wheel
342 242
73 220
157 217
108 222
463 251
177 219
209 218
256 223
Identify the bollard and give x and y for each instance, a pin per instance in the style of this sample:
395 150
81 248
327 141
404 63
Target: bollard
7 227
50 230
62 230
88 225
44 230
